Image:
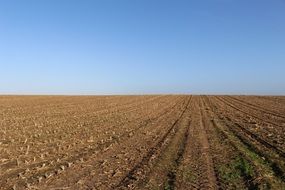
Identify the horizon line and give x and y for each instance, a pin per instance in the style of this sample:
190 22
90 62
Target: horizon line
136 94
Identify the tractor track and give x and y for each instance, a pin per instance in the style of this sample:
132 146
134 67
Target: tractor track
265 162
163 170
223 153
196 169
255 107
257 136
130 177
272 155
247 113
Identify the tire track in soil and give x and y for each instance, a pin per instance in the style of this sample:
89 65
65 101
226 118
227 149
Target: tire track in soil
83 154
255 137
224 155
134 174
259 139
162 171
172 174
274 159
256 107
273 156
205 150
196 170
265 176
256 111
247 113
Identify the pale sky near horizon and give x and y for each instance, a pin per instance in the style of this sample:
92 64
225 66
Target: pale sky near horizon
142 47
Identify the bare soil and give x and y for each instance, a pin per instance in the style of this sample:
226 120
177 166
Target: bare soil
142 142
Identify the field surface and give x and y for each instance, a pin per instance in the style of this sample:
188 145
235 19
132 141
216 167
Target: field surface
142 142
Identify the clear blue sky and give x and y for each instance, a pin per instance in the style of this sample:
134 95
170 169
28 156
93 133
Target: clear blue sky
142 46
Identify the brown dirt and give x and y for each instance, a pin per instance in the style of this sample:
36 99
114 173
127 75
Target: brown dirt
142 142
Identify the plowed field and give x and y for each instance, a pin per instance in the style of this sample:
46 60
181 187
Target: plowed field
142 142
